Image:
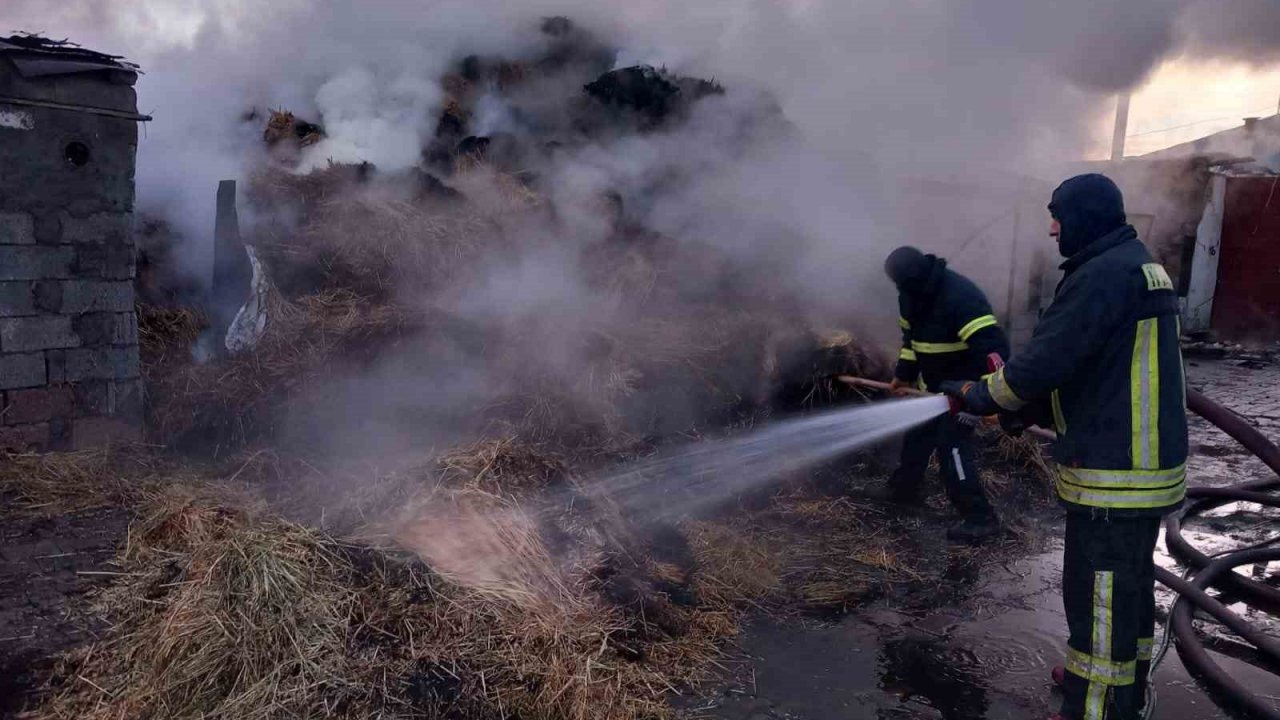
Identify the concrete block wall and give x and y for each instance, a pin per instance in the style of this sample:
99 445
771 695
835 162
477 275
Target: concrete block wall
69 374
69 368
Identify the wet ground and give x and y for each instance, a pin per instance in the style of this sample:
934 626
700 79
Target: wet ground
982 649
977 646
47 564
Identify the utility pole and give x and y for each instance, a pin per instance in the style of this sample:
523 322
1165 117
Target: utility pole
1122 126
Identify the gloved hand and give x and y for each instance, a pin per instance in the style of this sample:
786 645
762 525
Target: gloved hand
955 391
900 387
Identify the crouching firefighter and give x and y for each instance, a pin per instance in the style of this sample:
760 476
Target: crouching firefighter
948 334
1104 367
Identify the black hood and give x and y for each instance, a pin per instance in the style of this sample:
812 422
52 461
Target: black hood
913 271
1087 207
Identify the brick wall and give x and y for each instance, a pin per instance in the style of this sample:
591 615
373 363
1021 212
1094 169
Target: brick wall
69 375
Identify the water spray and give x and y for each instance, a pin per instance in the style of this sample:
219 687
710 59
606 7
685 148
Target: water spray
692 479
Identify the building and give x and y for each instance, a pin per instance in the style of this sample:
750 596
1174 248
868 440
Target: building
990 225
69 368
1209 211
1230 279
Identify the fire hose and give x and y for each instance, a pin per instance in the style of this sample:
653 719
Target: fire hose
1220 572
1217 571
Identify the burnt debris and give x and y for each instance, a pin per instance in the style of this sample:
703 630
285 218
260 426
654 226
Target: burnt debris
284 126
649 93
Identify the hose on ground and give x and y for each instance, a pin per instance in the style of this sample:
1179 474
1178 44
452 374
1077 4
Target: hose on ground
1235 694
1220 573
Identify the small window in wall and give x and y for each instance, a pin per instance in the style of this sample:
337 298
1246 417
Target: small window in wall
76 153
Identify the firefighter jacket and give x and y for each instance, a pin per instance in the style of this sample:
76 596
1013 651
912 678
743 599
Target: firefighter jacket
948 329
1105 359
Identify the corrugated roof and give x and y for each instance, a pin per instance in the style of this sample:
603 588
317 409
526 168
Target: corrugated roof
36 56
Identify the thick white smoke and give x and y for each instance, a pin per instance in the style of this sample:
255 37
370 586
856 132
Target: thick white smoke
875 89
902 82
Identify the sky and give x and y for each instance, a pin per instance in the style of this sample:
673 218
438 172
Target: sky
1186 100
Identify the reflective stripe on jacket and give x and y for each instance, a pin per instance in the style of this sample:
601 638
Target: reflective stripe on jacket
1106 360
948 329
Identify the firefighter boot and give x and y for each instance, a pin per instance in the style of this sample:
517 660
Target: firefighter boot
975 529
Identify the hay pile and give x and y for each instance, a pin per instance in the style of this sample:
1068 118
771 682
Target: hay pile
653 335
224 614
344 227
479 580
223 609
237 399
484 584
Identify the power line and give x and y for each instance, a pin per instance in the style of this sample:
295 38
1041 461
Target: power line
1198 122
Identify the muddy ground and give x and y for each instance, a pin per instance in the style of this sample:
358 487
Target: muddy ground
973 638
981 644
47 565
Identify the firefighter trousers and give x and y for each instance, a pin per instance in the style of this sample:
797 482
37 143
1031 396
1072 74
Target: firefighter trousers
955 447
1108 590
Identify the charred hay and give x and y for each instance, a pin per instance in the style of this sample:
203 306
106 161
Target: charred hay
488 585
283 126
222 609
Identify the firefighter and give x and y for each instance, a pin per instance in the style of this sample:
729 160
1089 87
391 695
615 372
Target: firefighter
948 332
1104 367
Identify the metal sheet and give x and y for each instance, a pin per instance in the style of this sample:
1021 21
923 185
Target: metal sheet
1246 305
30 67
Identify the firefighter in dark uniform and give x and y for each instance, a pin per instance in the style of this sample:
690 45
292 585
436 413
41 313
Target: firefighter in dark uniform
1104 367
948 331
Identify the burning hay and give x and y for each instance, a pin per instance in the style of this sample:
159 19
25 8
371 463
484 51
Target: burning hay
491 585
361 234
222 609
490 545
513 335
282 126
628 334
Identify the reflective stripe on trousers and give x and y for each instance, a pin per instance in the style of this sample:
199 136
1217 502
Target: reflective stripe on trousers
1096 696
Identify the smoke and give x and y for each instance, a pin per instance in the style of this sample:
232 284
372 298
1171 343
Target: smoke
1238 29
907 82
795 173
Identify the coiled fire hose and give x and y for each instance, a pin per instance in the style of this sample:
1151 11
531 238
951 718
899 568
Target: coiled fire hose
1218 571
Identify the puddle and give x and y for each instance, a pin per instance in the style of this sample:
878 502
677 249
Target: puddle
985 658
980 645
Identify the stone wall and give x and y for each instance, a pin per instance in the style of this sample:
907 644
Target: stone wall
69 374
